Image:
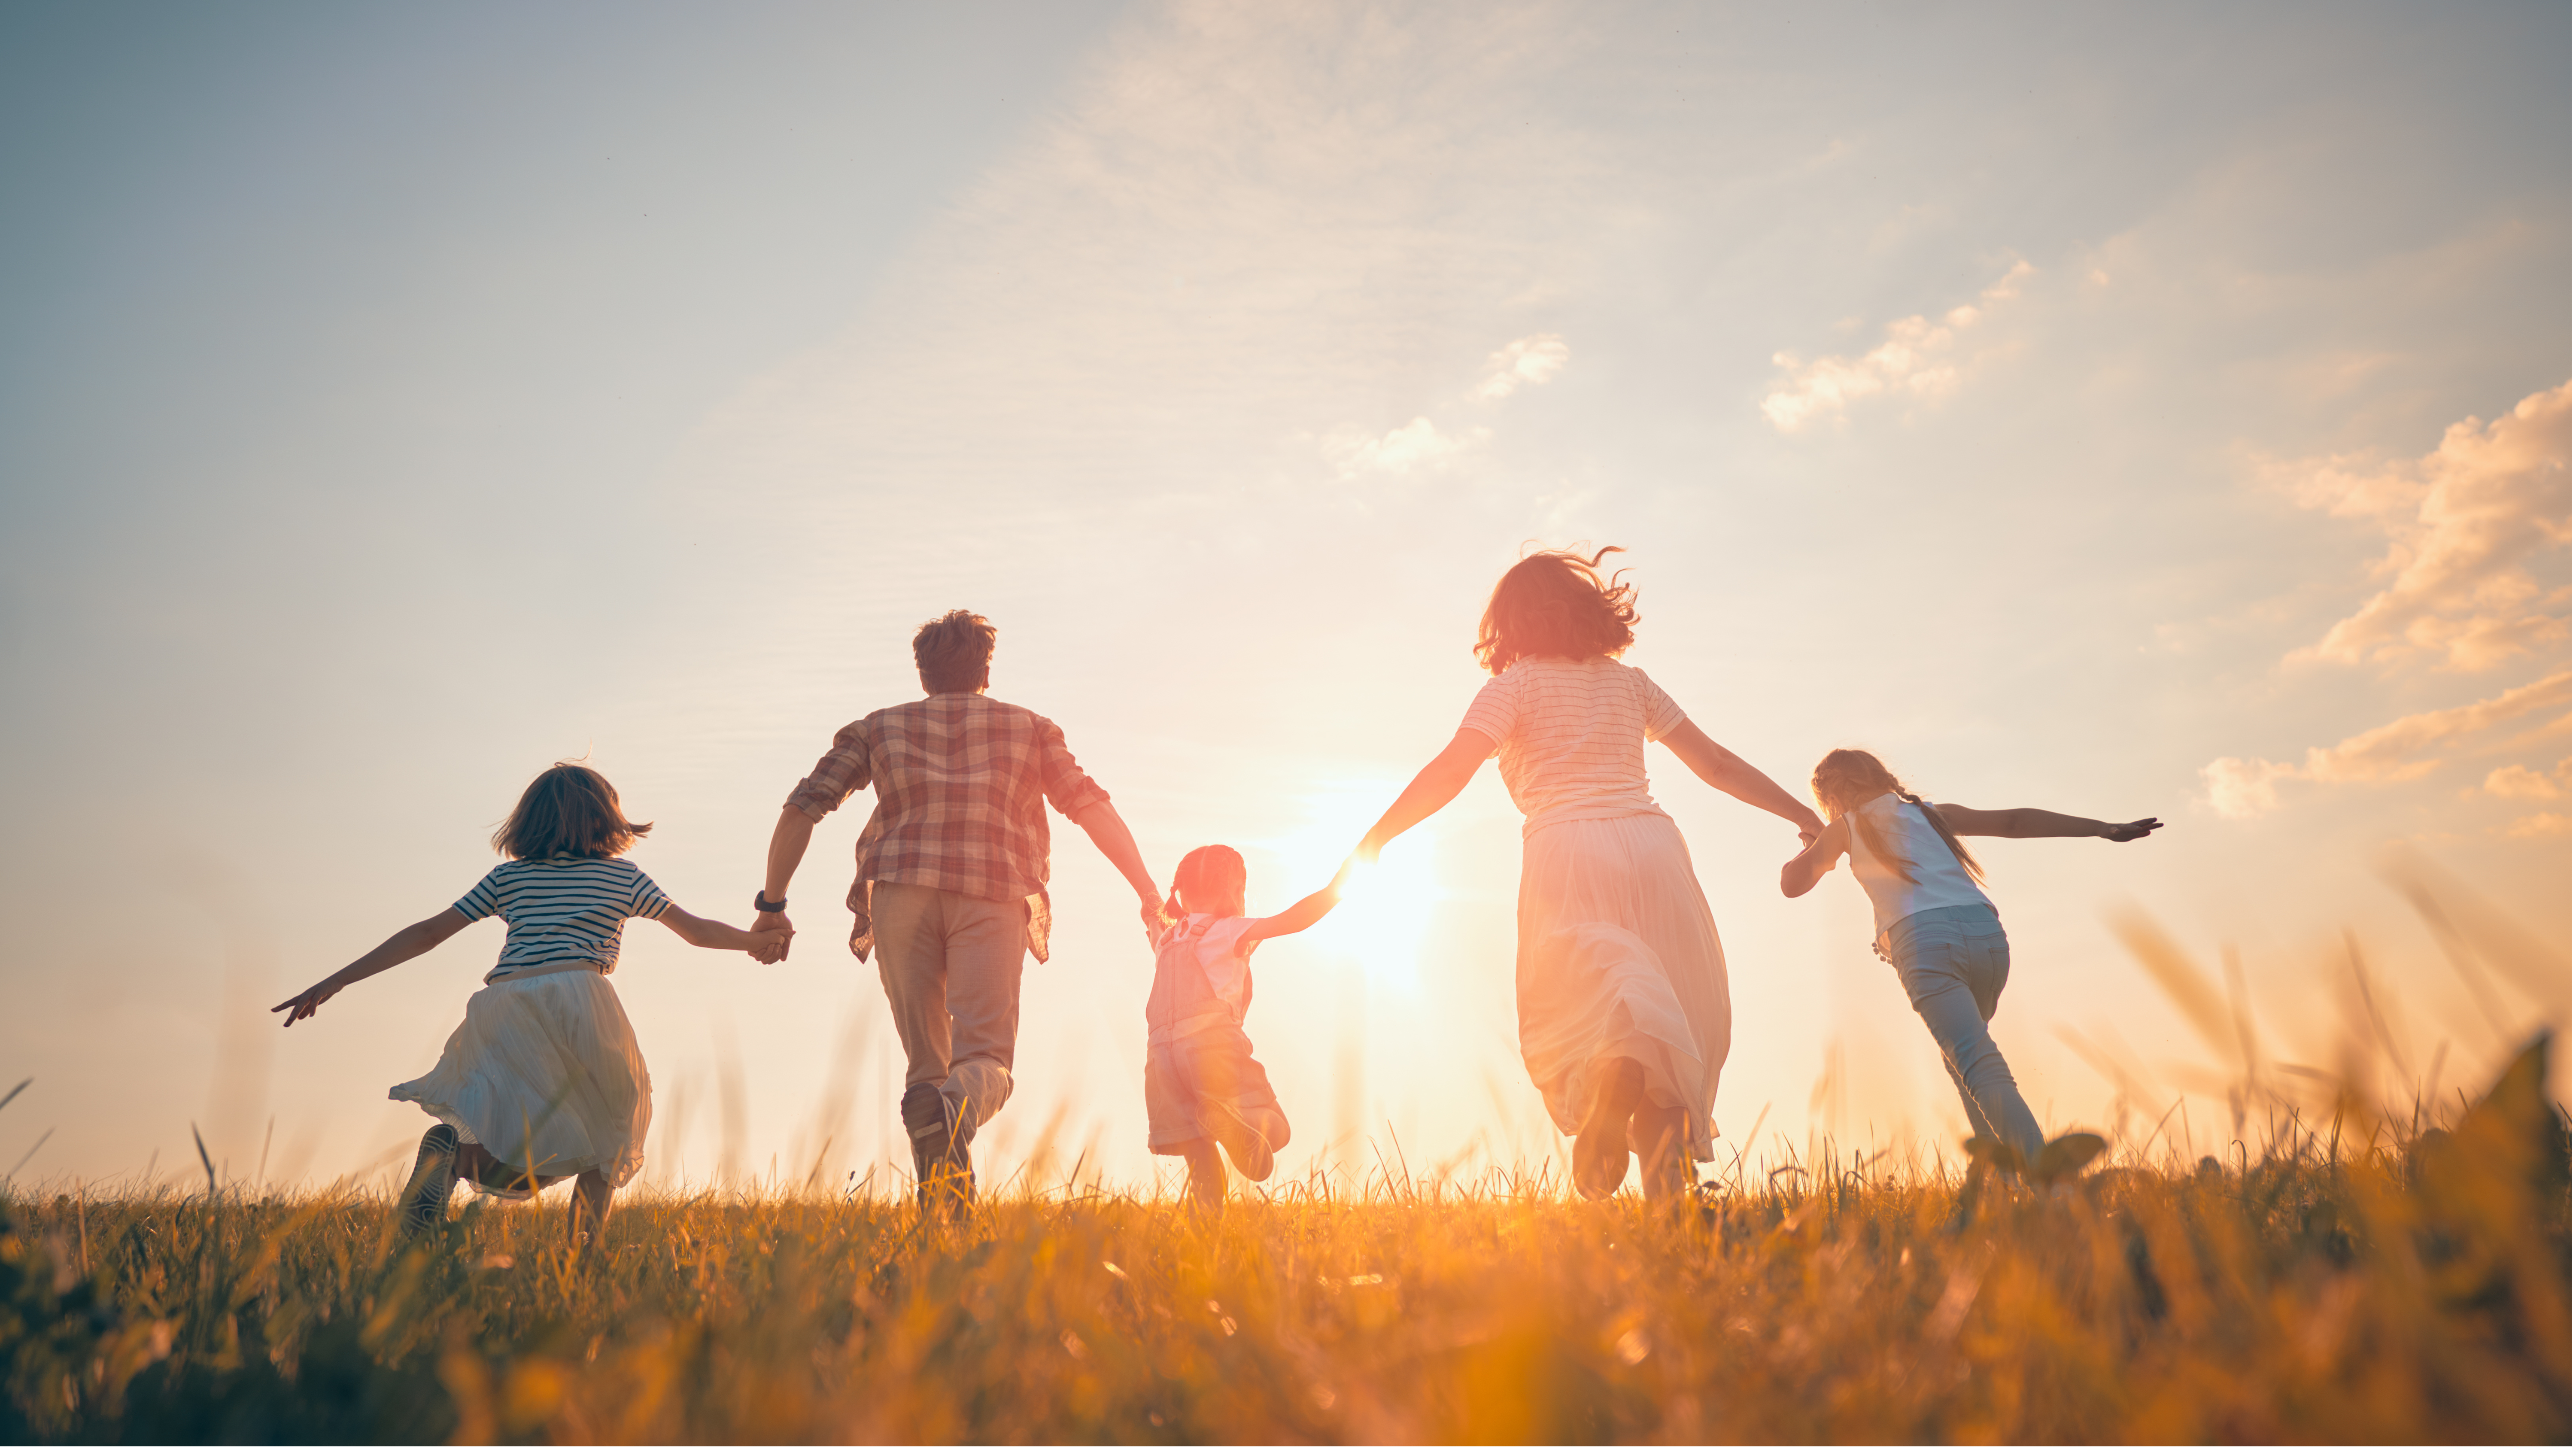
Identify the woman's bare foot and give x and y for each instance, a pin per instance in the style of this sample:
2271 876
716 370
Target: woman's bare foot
589 1214
1601 1148
1657 1131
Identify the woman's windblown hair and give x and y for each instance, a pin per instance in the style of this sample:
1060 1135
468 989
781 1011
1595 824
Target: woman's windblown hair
570 811
1554 604
1214 877
1846 778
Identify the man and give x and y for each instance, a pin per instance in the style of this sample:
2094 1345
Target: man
952 877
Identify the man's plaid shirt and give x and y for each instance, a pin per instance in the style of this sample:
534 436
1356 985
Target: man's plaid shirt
962 785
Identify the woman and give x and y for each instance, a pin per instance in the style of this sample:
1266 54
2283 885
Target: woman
1621 980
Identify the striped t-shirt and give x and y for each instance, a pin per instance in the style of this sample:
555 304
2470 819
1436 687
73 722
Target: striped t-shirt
1572 736
562 910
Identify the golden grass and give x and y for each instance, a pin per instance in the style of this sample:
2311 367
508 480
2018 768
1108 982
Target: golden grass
2410 1289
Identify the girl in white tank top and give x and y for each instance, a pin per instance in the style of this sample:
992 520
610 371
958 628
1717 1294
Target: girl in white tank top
1935 924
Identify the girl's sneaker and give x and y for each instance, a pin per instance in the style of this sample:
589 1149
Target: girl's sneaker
433 1180
1242 1141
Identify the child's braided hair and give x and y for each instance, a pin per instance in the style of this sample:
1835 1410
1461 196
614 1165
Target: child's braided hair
1844 778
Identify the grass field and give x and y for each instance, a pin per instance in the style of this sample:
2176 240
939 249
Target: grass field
2345 1285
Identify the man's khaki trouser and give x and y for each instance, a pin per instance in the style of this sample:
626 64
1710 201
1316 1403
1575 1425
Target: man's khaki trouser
951 967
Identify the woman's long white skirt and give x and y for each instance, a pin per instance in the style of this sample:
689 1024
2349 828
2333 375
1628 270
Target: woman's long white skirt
1619 957
546 1074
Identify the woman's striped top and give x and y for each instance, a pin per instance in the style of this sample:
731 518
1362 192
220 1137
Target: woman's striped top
562 910
1572 736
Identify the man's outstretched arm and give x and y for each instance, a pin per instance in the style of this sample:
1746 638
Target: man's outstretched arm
787 844
1100 820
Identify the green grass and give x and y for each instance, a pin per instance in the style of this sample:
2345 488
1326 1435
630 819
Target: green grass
2401 1289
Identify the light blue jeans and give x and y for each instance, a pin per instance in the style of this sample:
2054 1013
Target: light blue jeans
1953 961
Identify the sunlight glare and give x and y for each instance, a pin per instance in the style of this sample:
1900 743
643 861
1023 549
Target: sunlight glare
1384 919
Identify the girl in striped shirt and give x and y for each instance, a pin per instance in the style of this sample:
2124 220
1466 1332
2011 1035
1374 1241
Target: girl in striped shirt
543 1081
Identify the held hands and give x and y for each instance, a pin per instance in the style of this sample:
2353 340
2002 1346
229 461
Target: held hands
775 932
2133 830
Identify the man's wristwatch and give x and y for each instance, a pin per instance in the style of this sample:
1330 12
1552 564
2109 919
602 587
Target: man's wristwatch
760 901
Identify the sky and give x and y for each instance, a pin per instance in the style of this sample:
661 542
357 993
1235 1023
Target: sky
2125 412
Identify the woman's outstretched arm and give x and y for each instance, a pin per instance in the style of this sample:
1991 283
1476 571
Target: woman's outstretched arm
1437 785
417 939
1723 769
2029 824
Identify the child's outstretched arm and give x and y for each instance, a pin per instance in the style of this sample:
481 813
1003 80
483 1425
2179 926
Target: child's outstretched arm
417 939
1816 862
2028 824
1303 914
717 936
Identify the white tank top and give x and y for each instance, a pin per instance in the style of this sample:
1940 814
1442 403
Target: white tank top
1939 879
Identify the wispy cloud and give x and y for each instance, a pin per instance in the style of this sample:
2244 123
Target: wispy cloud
2476 563
1417 446
1528 362
2547 825
1917 359
2403 749
2517 782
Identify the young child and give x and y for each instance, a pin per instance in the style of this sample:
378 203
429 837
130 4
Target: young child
544 1080
1202 1087
1939 930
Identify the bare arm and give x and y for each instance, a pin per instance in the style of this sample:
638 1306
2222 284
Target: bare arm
1724 770
1436 785
716 935
1108 830
417 939
1814 863
787 842
1303 914
2029 824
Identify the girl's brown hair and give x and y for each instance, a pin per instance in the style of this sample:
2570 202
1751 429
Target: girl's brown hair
1845 778
1212 873
1554 604
570 811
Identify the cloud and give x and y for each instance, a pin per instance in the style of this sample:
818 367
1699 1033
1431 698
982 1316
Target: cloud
1531 361
2403 749
2476 563
2546 825
2514 782
1417 445
1913 360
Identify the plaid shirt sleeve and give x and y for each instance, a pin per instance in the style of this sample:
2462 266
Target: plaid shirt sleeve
842 771
1067 789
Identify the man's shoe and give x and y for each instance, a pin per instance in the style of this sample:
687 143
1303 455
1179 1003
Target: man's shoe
939 1132
433 1180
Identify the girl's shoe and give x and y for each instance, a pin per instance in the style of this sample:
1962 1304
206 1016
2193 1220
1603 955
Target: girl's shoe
1242 1141
433 1180
2066 1156
1601 1148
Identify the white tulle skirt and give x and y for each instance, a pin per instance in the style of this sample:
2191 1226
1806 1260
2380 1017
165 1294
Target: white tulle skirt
1619 957
546 1074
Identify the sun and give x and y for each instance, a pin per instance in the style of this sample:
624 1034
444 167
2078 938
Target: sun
1385 917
